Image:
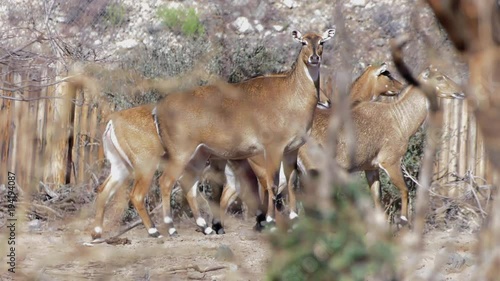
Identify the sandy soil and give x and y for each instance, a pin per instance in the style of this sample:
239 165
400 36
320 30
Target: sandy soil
55 251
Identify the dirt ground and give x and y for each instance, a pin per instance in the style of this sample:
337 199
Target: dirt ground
55 251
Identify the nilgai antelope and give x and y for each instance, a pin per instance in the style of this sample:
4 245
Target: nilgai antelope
132 147
375 81
382 132
259 119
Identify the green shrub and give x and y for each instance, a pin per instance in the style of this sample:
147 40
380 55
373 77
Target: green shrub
332 246
115 14
185 21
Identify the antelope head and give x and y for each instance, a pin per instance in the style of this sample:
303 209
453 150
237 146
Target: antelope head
312 48
385 84
311 53
445 87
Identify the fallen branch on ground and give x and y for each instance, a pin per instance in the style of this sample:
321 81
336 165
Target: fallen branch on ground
185 268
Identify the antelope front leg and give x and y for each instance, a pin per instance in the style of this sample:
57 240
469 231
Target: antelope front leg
265 169
291 172
214 176
189 185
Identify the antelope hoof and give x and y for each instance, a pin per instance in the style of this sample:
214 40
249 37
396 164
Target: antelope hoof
208 231
173 232
403 221
96 233
153 232
218 228
155 235
260 222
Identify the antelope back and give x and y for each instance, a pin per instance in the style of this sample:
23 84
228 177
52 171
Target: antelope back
375 81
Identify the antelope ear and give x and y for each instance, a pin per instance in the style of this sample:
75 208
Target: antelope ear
327 35
382 68
297 36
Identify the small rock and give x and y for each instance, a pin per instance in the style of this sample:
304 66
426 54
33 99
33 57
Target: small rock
224 253
358 3
259 27
97 42
243 25
127 44
289 3
240 2
455 262
34 225
278 27
233 267
379 42
145 6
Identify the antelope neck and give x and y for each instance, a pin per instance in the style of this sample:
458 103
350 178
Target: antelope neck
410 111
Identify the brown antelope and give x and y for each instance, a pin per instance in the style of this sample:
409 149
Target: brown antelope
132 146
375 81
382 131
272 118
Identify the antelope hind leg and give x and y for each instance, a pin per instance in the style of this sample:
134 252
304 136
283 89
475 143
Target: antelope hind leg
373 180
141 187
396 177
104 194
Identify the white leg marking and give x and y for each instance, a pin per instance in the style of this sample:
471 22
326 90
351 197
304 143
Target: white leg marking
269 219
171 230
168 220
201 222
301 166
208 230
282 175
116 144
293 215
97 229
152 230
231 179
194 189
